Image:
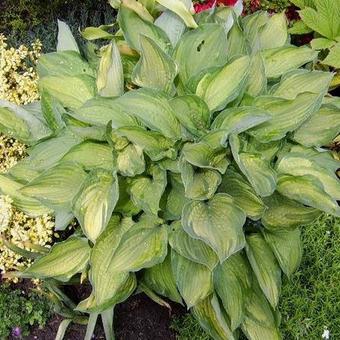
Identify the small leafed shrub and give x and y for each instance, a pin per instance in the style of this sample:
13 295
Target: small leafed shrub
190 149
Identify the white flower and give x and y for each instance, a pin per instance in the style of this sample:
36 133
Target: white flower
325 334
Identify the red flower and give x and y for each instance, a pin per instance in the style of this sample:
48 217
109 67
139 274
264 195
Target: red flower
199 7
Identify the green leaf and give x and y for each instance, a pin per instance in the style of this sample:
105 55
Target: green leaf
83 154
309 191
320 129
257 81
286 245
322 43
265 267
255 167
146 192
160 279
333 57
64 260
217 222
192 249
110 79
209 88
130 161
232 280
57 186
192 61
260 320
287 115
281 60
66 41
299 27
178 7
243 194
237 44
155 69
94 204
285 214
71 91
194 281
274 34
28 205
211 317
101 32
133 26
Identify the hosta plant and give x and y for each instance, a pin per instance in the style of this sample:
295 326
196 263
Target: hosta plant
190 148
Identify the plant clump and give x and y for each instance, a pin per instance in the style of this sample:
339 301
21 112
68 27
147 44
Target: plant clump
190 148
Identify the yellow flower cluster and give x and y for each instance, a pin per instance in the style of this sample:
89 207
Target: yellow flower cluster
18 79
10 152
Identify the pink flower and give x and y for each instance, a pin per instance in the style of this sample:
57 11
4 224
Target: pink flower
199 7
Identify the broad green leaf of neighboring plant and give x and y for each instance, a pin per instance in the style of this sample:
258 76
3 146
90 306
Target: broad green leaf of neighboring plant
71 91
333 56
94 204
211 317
130 161
260 321
146 192
110 79
321 128
133 26
265 267
324 19
243 194
64 260
232 281
28 205
285 214
193 51
217 90
287 115
286 245
255 167
66 41
192 249
281 60
56 187
155 69
193 280
160 279
309 191
217 222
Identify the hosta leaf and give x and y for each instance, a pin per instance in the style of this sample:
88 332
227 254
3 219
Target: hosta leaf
83 154
199 184
192 249
160 279
284 214
23 171
211 317
64 260
243 194
66 41
281 60
237 44
66 63
257 81
139 8
301 81
191 61
232 280
146 193
130 161
153 58
94 204
309 191
209 88
194 281
100 32
71 91
56 187
260 320
287 115
297 165
192 112
322 127
255 167
286 245
110 79
133 26
28 205
217 222
265 267
178 7
333 56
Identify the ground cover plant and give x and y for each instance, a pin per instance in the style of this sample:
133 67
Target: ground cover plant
190 149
